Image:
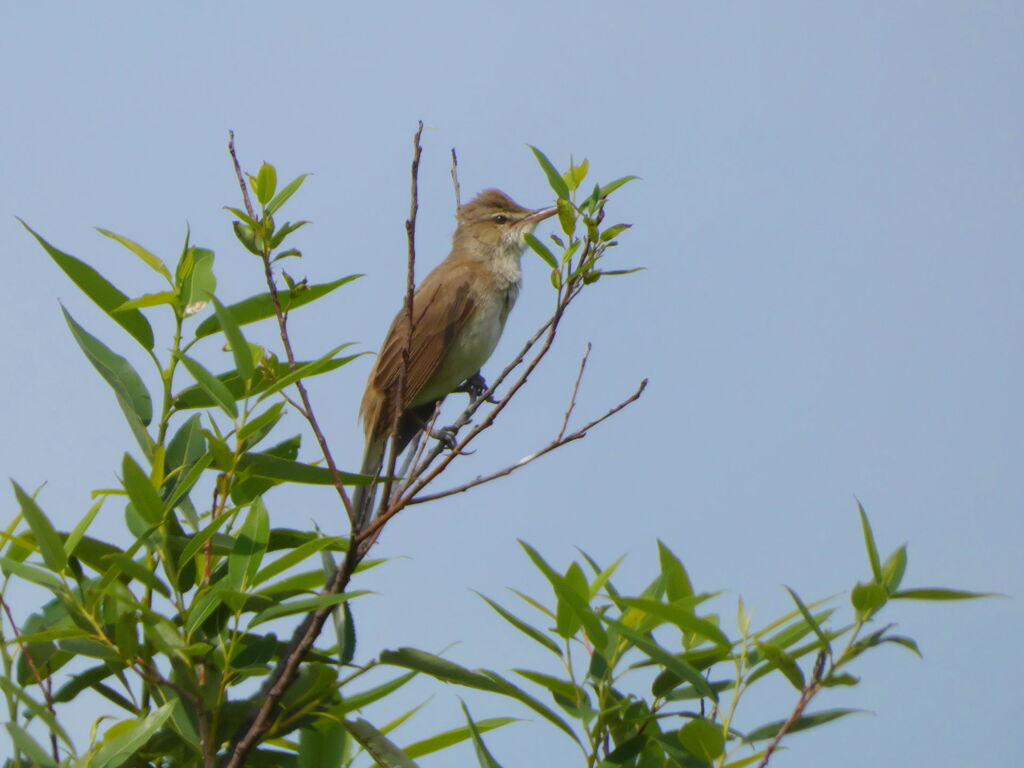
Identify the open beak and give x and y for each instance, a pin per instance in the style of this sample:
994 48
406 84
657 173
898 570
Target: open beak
540 214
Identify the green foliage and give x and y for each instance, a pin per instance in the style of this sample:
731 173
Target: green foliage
179 628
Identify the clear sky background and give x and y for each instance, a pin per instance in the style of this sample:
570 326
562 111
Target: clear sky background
831 219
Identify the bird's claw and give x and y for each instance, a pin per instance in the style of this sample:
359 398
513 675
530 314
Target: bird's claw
446 436
475 386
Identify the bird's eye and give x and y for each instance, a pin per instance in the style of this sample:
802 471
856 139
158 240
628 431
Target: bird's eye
500 218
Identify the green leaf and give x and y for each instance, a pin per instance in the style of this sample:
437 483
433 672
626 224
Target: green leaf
31 573
868 598
261 305
117 372
565 592
455 736
541 250
307 605
141 492
37 710
568 623
126 744
29 747
566 216
261 424
322 745
150 300
484 680
196 542
362 699
302 371
810 619
671 662
71 542
211 385
682 617
195 280
483 756
893 569
531 632
150 260
274 468
264 184
47 539
139 572
555 180
802 723
610 187
100 290
783 662
869 544
612 232
295 556
377 745
677 580
703 739
282 197
239 347
197 397
283 231
940 593
250 547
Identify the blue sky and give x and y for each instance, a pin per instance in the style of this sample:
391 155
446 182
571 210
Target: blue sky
831 220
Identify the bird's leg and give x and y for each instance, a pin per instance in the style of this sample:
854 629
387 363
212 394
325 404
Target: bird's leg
444 435
475 386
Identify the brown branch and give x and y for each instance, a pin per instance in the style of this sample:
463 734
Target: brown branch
575 391
43 683
809 692
282 324
455 180
410 290
558 442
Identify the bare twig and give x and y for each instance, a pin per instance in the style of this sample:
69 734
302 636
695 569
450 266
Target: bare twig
410 290
575 391
558 442
455 180
809 692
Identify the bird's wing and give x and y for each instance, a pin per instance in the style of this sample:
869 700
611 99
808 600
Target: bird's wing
441 312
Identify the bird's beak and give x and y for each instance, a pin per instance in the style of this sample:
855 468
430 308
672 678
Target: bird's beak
540 214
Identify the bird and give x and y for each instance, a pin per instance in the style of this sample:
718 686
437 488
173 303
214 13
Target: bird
459 313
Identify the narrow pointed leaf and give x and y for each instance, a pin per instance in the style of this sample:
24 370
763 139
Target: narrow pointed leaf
306 605
572 599
141 492
681 617
47 539
125 746
483 755
117 371
940 593
282 197
531 632
555 180
261 305
610 187
150 260
869 544
674 664
384 752
213 386
455 736
100 290
303 371
542 250
239 347
807 721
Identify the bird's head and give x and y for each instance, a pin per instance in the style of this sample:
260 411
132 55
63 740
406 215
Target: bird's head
493 225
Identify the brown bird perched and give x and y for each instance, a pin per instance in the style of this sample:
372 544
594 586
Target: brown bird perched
459 312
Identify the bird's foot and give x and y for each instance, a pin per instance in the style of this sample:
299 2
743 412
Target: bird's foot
475 386
446 436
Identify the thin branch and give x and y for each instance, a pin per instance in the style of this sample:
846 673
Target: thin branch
455 180
575 391
410 290
808 693
558 442
282 324
240 176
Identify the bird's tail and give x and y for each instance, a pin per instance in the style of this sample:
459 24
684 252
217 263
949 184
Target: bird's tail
365 495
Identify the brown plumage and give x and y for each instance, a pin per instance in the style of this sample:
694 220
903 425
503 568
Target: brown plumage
459 312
